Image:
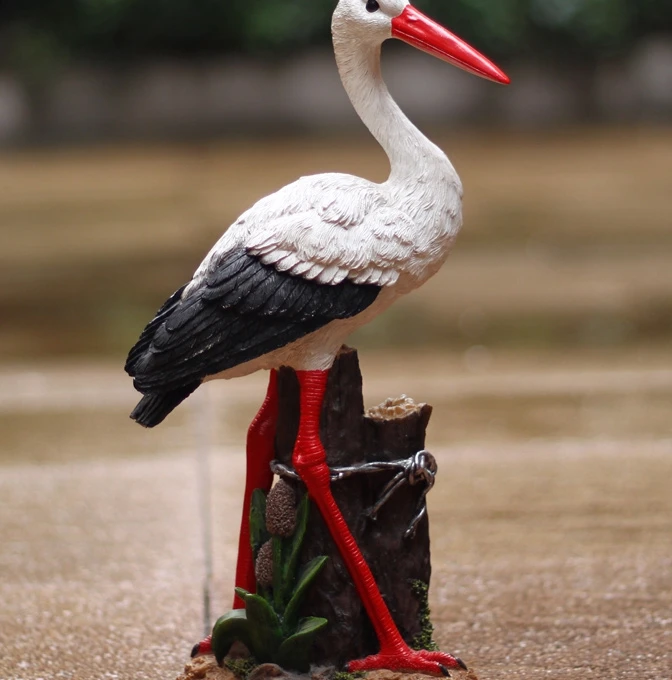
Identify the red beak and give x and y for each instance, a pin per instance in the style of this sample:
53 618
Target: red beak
413 27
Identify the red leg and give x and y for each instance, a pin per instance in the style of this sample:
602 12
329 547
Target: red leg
309 460
260 452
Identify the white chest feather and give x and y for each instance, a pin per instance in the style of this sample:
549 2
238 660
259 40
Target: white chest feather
332 227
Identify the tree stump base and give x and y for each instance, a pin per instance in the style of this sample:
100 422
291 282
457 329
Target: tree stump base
401 565
307 613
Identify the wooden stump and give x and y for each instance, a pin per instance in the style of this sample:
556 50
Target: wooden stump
351 437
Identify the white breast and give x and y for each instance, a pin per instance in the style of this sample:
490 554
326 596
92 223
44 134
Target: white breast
331 227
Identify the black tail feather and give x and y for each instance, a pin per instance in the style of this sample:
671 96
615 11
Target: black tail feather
153 409
143 344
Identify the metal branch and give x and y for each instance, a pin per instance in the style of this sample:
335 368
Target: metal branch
419 468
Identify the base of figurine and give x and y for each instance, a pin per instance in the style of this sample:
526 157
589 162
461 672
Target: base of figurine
206 668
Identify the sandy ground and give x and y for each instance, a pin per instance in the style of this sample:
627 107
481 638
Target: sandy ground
551 518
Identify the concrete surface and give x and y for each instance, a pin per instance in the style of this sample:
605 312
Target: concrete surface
552 554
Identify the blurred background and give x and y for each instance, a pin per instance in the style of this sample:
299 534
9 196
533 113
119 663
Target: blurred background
133 132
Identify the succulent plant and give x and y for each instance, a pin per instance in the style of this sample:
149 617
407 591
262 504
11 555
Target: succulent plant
270 626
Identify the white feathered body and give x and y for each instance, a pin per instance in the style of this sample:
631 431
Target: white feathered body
302 269
333 227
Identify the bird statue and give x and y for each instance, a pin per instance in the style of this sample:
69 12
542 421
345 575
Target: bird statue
303 268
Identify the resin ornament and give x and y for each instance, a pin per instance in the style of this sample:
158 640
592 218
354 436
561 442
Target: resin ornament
285 286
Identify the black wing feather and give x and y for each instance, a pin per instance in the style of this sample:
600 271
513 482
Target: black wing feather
243 310
148 334
232 265
280 299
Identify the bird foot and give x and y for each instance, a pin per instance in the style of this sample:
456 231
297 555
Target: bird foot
423 661
202 647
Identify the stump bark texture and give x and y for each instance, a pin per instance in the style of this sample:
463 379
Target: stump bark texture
351 437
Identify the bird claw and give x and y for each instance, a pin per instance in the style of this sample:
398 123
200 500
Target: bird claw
422 661
202 647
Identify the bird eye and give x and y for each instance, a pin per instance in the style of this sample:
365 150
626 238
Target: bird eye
372 6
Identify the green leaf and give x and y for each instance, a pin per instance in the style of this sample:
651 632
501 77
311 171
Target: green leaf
242 593
279 583
308 574
265 628
295 543
266 593
295 650
228 629
258 533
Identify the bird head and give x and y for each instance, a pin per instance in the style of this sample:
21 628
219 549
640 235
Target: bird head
375 21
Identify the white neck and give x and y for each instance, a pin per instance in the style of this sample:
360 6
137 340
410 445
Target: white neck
411 154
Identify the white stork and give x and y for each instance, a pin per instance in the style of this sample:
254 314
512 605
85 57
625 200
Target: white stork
297 273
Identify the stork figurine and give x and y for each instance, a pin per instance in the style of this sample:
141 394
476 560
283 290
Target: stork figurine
298 272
